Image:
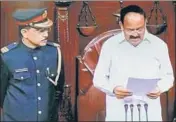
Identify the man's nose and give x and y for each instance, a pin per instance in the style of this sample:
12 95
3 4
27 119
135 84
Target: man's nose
135 33
45 34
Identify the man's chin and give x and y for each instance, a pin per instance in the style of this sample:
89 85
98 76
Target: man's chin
135 42
43 43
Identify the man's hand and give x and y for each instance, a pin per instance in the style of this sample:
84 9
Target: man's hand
121 92
154 94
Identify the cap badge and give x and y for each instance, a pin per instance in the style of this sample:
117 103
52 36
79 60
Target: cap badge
44 15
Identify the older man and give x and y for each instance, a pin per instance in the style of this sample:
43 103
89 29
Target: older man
134 53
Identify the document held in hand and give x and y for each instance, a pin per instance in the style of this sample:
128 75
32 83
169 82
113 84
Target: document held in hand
140 87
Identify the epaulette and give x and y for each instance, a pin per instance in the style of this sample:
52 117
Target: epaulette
53 44
9 47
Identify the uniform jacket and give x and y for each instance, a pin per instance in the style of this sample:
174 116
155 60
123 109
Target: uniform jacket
26 93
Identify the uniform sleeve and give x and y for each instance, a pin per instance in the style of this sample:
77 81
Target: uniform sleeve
166 71
58 94
61 81
102 71
4 80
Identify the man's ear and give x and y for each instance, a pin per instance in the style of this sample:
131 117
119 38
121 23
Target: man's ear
146 21
24 33
121 25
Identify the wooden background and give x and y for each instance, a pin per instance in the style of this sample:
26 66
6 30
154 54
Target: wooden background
102 10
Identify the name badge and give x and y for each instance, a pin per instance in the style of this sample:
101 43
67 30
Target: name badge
21 70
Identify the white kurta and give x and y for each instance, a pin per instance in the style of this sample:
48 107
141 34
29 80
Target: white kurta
120 60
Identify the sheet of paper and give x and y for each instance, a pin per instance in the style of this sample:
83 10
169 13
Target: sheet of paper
140 87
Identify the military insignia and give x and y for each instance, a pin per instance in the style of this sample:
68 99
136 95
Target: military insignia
55 82
4 49
49 74
21 70
44 15
9 47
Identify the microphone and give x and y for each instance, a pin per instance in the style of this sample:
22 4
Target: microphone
126 109
139 110
131 108
146 111
174 119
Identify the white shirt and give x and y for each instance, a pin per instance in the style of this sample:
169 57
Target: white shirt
120 60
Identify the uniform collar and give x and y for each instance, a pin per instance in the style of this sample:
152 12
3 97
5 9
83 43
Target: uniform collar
28 48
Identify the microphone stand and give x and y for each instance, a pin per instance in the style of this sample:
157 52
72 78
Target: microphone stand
146 111
126 109
131 108
139 110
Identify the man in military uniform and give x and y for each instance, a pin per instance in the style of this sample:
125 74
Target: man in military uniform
31 71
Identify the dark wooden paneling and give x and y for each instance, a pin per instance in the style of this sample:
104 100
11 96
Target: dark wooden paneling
106 21
92 102
102 10
1 28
